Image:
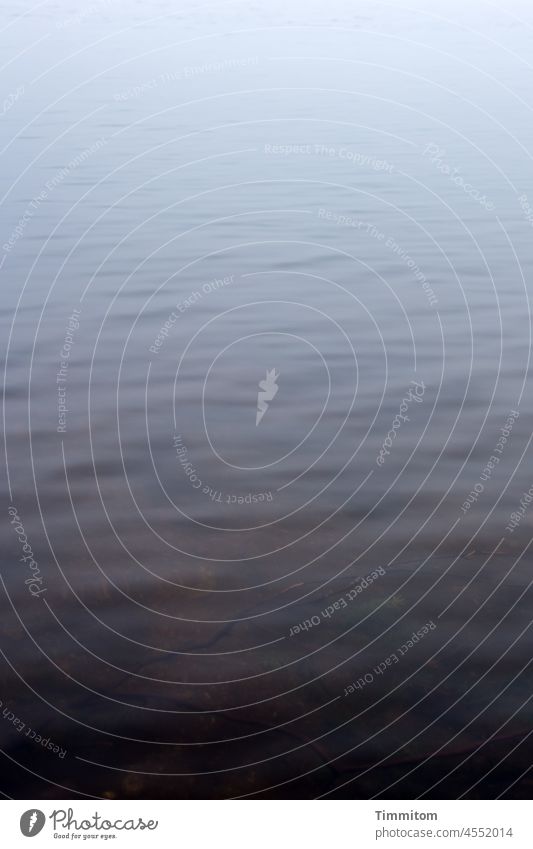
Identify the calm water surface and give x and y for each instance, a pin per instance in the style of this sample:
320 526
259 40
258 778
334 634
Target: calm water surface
335 202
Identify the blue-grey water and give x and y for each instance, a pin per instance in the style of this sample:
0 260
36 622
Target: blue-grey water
335 201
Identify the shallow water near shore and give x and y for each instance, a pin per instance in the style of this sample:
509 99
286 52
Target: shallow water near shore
267 405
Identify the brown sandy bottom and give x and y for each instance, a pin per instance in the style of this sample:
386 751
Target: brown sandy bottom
325 709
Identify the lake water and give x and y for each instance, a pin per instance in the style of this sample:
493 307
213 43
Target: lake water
265 295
